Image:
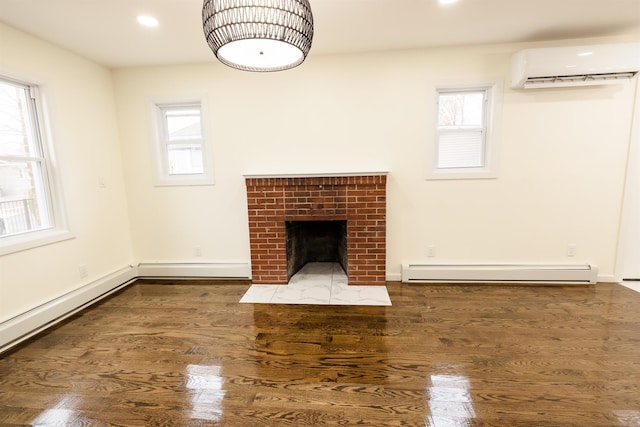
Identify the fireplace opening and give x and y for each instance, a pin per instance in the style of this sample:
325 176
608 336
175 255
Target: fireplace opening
315 241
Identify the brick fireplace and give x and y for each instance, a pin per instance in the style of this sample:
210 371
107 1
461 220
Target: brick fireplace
358 200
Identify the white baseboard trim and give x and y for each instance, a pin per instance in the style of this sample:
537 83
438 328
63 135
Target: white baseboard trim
240 271
607 278
23 326
394 277
633 285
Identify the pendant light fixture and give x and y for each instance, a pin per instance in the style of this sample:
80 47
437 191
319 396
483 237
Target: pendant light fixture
258 35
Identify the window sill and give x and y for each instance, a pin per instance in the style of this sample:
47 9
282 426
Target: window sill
185 183
22 242
184 180
461 174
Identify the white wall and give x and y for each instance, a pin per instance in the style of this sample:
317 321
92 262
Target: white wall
80 103
562 157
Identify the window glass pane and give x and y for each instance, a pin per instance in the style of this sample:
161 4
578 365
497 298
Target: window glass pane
461 109
185 159
461 149
16 127
23 199
183 124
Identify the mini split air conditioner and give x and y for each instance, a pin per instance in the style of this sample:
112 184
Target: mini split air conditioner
575 65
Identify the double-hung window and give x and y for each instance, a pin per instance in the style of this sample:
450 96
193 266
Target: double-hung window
465 142
183 154
462 128
29 213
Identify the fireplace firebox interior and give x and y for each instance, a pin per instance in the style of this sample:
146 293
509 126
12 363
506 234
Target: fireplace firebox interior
315 241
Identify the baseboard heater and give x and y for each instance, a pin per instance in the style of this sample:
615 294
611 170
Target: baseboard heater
499 273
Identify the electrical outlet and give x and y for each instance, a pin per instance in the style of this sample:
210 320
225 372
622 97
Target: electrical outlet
571 250
197 250
431 251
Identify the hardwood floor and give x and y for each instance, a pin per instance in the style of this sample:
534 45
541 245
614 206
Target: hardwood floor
187 354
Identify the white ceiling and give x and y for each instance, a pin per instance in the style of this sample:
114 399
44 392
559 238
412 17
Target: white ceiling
107 32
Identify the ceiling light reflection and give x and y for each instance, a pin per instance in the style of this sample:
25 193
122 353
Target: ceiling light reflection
449 401
205 384
628 418
62 414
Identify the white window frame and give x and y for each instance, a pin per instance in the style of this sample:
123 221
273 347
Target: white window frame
160 143
58 229
492 126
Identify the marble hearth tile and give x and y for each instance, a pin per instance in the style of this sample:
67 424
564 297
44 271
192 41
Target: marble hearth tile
339 277
317 275
316 280
259 294
307 294
318 284
360 295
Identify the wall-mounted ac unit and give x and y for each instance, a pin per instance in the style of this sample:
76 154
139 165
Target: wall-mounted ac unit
575 65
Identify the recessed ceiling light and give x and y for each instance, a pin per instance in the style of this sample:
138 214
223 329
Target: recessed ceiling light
585 54
147 21
447 1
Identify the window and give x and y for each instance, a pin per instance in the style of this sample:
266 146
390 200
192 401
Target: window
461 129
27 206
183 158
465 145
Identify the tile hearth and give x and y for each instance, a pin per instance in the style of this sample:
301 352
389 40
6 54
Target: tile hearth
318 283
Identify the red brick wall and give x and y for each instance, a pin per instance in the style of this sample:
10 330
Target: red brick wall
360 200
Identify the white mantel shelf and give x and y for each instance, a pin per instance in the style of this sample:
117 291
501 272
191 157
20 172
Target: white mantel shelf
313 174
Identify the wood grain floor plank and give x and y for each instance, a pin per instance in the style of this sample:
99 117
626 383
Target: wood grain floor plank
186 353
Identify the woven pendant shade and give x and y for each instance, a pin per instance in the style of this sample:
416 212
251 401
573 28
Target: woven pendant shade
258 35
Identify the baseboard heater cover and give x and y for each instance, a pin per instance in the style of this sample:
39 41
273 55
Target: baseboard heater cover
500 273
15 330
